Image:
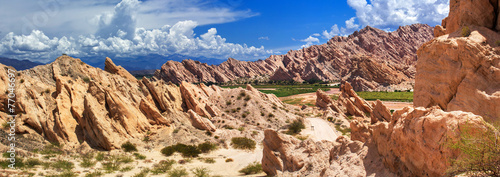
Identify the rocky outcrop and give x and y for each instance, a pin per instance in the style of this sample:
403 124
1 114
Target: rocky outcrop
470 13
110 67
200 122
197 99
380 113
460 73
348 103
283 155
414 132
69 102
390 60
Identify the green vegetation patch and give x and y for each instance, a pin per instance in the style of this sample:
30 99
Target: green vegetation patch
387 96
295 127
252 168
189 150
284 92
243 143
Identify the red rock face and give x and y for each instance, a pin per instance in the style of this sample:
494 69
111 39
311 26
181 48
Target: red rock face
393 53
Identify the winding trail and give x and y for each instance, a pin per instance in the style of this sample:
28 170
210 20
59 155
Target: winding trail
321 130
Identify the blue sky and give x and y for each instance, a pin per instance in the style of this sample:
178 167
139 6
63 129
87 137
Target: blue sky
41 30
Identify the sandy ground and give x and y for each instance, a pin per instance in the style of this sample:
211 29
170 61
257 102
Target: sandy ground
319 129
240 158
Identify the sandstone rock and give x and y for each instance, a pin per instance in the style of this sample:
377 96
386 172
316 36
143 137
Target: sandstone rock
284 154
418 131
197 99
380 113
348 103
166 95
110 67
200 122
392 54
69 102
470 13
460 73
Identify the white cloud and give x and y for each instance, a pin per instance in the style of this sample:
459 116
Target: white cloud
80 17
118 36
391 13
309 41
264 38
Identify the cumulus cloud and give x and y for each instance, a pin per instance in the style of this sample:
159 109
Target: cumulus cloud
118 36
309 41
391 14
350 27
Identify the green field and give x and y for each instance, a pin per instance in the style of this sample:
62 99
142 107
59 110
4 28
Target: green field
387 96
284 92
299 86
287 90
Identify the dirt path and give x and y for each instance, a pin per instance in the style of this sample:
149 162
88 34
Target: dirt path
319 129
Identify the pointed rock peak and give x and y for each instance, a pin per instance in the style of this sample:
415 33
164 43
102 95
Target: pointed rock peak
110 67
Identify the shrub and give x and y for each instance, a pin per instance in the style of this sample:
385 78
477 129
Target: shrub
270 115
87 162
228 103
32 162
128 147
229 160
127 168
247 98
243 143
162 167
207 147
22 81
139 156
86 79
185 150
178 172
209 160
201 172
480 151
465 31
296 127
144 172
252 168
241 129
100 156
94 174
63 165
51 149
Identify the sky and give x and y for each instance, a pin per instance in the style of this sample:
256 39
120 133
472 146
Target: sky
42 30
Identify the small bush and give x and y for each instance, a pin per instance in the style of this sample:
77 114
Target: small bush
465 31
247 98
127 168
252 168
86 79
139 156
32 162
270 115
229 160
243 143
128 147
100 156
87 162
94 174
63 165
178 172
185 150
201 172
209 160
207 147
22 81
296 127
480 151
144 172
162 167
228 103
51 149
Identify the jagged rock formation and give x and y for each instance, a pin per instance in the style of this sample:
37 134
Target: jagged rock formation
69 102
348 103
413 132
285 155
462 73
371 59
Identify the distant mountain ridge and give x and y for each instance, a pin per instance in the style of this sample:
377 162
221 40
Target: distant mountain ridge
392 58
19 64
